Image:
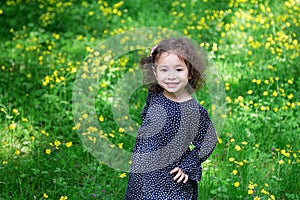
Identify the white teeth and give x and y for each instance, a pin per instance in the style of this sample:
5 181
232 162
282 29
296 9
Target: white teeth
172 84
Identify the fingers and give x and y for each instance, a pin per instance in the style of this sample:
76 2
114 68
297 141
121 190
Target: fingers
176 169
180 176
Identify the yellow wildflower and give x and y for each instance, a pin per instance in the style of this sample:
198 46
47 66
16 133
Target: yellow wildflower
123 175
237 148
45 196
12 126
69 144
48 151
101 118
17 152
63 198
236 184
120 145
15 111
280 162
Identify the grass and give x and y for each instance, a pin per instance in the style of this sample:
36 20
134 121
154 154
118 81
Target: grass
45 45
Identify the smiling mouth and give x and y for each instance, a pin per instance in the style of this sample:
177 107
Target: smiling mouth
172 85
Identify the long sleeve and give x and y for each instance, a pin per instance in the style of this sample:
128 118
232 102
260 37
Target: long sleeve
149 99
204 144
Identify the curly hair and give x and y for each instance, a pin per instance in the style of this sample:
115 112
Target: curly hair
195 61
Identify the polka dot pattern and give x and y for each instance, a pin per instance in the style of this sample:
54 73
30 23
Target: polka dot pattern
163 143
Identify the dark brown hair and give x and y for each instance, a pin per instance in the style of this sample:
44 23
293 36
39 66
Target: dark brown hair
195 61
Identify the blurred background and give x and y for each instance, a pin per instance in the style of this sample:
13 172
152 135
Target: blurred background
254 46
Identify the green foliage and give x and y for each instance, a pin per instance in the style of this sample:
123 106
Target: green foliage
254 45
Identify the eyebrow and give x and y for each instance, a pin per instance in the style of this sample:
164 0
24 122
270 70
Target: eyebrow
160 65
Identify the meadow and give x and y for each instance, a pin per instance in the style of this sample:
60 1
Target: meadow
49 144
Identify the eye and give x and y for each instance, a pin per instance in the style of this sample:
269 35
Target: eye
163 70
180 69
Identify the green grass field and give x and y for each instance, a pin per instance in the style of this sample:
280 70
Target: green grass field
46 46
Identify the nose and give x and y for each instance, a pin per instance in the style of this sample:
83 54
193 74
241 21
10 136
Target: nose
171 75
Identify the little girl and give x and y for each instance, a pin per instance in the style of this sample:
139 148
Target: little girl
176 134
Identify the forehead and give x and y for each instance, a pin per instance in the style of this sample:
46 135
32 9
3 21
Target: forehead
170 59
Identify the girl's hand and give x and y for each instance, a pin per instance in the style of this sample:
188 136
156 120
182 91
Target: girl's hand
180 176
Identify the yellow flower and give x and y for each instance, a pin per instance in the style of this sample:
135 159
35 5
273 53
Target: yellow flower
280 162
24 119
120 145
265 93
85 115
263 191
231 159
240 98
111 135
45 196
4 162
15 111
236 184
266 184
17 152
227 84
12 126
119 4
244 143
234 172
57 143
250 191
123 175
121 130
262 108
237 148
290 81
272 197
256 198
232 140
48 151
69 144
101 118
290 96
250 92
103 85
220 140
63 198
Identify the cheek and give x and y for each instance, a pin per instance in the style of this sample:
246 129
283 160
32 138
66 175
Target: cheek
160 77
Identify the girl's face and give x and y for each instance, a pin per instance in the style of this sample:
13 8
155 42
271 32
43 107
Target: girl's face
172 75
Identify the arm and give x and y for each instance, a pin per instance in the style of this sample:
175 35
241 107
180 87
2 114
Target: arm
204 144
149 98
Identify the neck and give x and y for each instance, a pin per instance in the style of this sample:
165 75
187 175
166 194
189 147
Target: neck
176 97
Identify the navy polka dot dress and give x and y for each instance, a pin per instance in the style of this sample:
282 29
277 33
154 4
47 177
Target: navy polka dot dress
172 134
